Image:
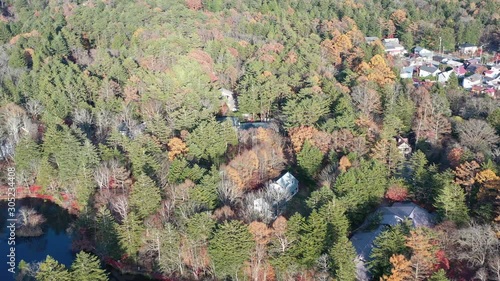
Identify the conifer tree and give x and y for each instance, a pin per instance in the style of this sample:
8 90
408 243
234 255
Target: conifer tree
51 270
343 255
309 159
451 204
87 267
145 196
129 233
229 248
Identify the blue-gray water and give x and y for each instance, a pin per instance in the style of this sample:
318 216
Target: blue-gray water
54 241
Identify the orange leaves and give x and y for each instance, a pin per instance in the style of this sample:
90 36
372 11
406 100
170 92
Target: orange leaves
465 173
423 252
401 269
194 4
398 16
242 170
455 155
261 160
206 62
176 147
396 193
319 139
261 233
344 163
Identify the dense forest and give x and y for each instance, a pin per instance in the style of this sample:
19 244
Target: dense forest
114 109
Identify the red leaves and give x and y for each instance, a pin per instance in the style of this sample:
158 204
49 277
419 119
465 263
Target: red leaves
442 261
396 193
35 188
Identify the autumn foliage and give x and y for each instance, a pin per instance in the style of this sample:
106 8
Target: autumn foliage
176 148
396 193
262 159
401 269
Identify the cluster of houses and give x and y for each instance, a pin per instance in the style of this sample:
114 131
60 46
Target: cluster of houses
424 64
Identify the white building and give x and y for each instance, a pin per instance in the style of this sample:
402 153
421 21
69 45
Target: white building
229 98
406 72
444 76
285 187
471 81
467 48
423 52
275 195
393 48
426 71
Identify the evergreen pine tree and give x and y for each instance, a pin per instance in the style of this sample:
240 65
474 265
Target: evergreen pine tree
145 196
87 267
230 248
343 255
129 233
51 270
451 204
309 159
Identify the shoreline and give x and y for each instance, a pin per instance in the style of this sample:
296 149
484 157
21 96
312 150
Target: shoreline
73 209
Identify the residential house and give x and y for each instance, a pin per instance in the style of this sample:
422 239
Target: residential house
440 59
229 99
371 40
423 52
406 72
277 193
492 72
467 48
362 240
493 83
471 81
286 186
444 76
393 48
460 71
454 63
403 145
426 71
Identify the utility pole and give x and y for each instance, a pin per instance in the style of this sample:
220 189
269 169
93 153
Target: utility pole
481 54
440 46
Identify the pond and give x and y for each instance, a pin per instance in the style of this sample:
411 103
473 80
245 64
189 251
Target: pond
55 241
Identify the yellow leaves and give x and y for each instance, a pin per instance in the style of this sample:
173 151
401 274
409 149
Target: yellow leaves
138 32
339 45
377 71
486 175
398 16
176 147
